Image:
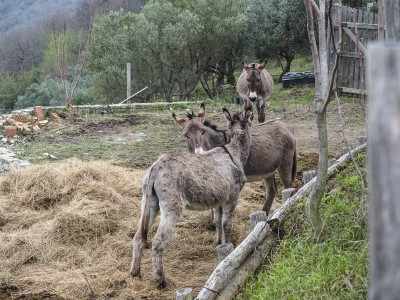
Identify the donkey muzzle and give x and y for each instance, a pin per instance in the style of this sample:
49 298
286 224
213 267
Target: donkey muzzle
253 96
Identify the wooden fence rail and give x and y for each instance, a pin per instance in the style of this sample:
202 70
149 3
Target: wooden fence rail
358 28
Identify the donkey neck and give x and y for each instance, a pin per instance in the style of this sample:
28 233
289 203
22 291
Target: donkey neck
239 148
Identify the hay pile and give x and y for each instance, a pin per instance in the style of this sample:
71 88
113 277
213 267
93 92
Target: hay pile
66 230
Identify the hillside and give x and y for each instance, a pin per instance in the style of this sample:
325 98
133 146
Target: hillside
23 12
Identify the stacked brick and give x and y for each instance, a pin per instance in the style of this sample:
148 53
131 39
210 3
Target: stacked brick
22 124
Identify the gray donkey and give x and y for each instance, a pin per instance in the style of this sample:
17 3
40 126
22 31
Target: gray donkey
197 182
273 148
255 84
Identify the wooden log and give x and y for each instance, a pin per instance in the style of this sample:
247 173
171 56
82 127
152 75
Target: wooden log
308 175
224 250
282 211
184 294
226 268
257 216
249 266
286 193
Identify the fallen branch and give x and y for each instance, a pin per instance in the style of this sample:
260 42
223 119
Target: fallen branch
249 266
226 268
282 211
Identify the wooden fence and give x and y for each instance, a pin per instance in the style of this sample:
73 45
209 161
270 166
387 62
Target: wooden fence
358 28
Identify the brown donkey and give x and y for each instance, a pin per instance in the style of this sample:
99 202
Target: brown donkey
273 147
197 182
255 84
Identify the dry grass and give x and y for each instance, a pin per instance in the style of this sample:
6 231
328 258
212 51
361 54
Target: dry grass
66 230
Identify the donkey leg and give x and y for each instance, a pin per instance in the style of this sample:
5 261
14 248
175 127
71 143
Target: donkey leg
162 236
285 172
261 111
247 103
140 238
217 213
227 221
270 191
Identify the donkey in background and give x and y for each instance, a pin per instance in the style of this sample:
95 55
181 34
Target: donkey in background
255 84
197 182
273 147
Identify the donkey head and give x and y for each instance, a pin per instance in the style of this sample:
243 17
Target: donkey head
239 121
253 79
200 134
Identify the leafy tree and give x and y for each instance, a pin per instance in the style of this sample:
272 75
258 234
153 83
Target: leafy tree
12 86
168 44
8 92
48 93
277 28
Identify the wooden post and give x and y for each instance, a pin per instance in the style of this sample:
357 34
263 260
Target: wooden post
384 166
257 216
226 268
184 294
223 250
286 193
308 175
128 81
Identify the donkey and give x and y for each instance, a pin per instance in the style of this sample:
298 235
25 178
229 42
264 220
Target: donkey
255 84
273 147
196 182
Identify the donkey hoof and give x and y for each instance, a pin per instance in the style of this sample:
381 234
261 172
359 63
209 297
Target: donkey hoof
163 285
135 273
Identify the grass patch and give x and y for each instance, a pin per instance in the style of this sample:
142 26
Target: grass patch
334 269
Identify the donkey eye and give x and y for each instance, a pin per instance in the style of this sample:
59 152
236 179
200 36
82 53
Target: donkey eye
203 132
188 137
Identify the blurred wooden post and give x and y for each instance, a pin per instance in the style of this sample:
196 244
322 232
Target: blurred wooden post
223 250
256 217
184 294
384 166
128 81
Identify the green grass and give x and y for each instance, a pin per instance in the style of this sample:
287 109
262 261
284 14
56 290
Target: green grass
336 268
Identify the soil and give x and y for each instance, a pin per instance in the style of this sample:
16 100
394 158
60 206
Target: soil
136 140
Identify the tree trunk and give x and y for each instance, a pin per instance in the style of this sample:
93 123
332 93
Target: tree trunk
289 58
383 157
321 98
384 169
313 201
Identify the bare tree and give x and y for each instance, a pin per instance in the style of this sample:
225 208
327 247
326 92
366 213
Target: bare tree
71 85
324 82
383 157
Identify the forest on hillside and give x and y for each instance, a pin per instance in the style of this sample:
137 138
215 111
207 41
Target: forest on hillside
75 52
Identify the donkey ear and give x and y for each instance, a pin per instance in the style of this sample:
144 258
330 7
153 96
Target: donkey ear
227 115
202 112
245 66
178 120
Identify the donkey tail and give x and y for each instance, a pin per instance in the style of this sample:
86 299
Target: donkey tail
294 166
148 209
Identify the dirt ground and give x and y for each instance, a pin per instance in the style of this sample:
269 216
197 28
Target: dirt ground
190 255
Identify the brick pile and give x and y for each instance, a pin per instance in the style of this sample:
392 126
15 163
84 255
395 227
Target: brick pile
22 124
